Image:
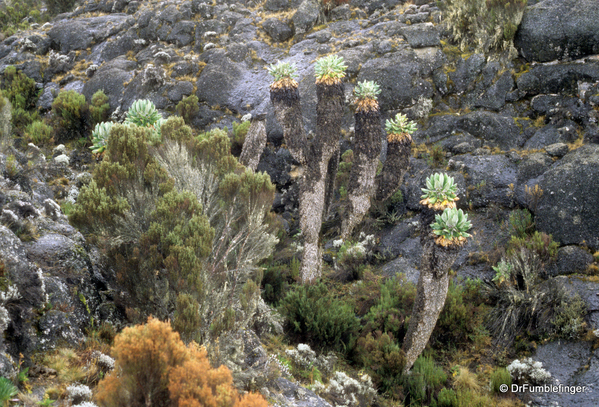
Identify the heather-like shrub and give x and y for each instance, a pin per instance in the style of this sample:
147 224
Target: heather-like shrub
71 113
382 357
19 89
186 219
316 317
520 223
425 379
389 313
39 133
240 130
500 376
99 108
447 398
461 320
188 107
484 25
154 367
13 15
539 242
22 94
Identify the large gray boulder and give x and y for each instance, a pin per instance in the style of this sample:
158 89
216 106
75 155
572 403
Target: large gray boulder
81 33
490 179
559 29
399 75
568 207
306 16
111 78
560 78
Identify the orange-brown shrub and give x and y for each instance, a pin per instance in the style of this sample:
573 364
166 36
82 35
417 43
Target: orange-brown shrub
154 367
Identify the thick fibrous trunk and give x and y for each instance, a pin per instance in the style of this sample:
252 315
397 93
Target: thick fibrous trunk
329 191
254 144
431 293
329 112
286 102
367 149
396 165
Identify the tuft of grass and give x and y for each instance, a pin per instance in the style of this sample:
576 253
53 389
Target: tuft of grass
68 365
466 380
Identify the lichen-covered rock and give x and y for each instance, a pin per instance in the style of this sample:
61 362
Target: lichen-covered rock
111 78
559 78
488 179
572 259
277 29
399 74
306 16
558 29
81 33
494 97
551 134
567 208
422 35
242 352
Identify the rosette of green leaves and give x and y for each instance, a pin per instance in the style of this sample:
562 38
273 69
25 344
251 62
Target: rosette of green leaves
400 125
282 70
367 90
100 137
452 225
143 113
329 69
440 189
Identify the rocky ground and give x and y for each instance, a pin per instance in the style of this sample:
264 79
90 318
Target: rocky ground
521 133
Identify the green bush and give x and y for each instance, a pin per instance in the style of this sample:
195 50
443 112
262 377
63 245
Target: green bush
351 259
39 133
188 107
316 317
99 108
59 6
539 242
19 89
183 217
461 320
520 223
71 114
447 398
13 15
390 312
568 320
484 25
277 279
22 94
22 118
240 130
500 376
425 379
383 359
